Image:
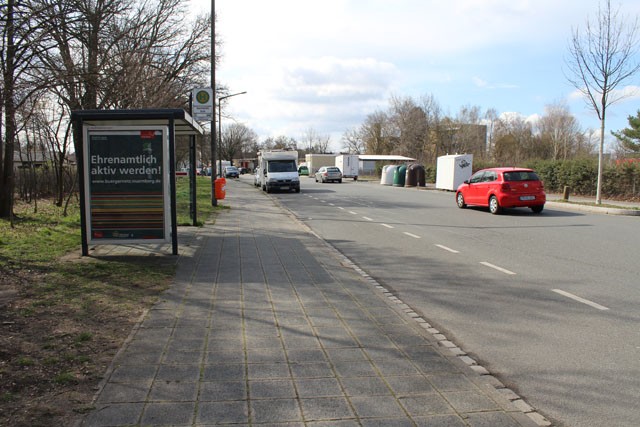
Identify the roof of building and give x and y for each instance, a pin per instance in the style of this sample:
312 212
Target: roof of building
385 157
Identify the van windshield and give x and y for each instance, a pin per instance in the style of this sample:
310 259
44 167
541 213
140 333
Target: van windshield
282 166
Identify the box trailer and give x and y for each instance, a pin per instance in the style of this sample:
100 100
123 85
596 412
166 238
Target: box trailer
453 170
349 164
316 161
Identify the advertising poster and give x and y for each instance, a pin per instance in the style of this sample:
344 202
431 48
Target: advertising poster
126 172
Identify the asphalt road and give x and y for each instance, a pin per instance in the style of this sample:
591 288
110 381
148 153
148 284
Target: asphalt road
547 302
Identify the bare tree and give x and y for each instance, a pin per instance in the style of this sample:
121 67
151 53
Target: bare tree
234 137
352 142
602 57
17 55
375 133
559 129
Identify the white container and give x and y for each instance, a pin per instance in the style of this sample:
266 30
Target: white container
387 174
348 165
453 170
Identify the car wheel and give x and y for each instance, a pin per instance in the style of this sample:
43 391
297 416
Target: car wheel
264 188
537 209
494 206
339 181
460 201
316 179
297 190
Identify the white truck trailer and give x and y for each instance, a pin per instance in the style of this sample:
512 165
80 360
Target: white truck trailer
278 170
349 164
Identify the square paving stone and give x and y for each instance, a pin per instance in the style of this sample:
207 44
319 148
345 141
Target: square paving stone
470 401
491 419
266 355
115 414
426 404
302 355
226 356
311 370
224 372
387 422
407 385
354 369
168 414
173 391
271 389
365 386
126 392
223 390
183 357
396 367
133 374
186 373
318 387
268 370
451 382
214 413
377 407
440 421
326 408
275 410
346 354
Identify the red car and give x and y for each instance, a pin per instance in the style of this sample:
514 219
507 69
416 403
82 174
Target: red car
500 188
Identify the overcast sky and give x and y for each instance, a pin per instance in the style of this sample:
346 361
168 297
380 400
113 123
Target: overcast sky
327 64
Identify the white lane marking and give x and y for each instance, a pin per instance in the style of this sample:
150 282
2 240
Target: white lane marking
323 201
340 208
411 235
495 267
453 251
367 218
387 225
353 213
331 204
579 299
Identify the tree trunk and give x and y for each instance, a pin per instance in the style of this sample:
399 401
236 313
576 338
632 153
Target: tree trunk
6 180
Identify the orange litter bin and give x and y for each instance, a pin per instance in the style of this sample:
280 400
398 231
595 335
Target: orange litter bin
220 186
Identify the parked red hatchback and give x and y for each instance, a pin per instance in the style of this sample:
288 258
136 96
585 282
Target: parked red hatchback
500 188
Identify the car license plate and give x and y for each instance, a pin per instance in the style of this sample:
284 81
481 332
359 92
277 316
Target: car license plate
284 188
523 198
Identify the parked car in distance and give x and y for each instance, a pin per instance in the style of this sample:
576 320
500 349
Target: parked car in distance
499 188
303 170
329 174
231 172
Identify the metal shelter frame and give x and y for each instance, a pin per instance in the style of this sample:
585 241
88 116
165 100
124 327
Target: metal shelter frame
178 121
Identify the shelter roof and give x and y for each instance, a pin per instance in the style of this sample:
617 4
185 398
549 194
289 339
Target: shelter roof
183 122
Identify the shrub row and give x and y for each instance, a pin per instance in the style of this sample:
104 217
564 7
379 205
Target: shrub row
581 176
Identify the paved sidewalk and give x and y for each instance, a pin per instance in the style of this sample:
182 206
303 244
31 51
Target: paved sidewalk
267 325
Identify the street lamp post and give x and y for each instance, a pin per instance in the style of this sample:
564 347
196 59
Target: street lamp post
214 202
220 128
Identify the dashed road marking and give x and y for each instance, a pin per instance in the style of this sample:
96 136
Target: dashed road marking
367 218
387 225
353 213
453 251
580 299
411 235
495 267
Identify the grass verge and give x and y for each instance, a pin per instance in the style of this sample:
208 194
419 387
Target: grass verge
63 318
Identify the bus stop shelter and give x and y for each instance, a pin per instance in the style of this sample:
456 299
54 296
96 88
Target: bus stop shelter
126 168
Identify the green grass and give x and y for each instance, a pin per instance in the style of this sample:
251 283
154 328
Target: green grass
203 201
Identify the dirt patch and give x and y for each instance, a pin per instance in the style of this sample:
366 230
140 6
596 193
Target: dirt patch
54 350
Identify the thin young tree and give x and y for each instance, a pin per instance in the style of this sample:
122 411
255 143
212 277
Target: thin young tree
602 56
